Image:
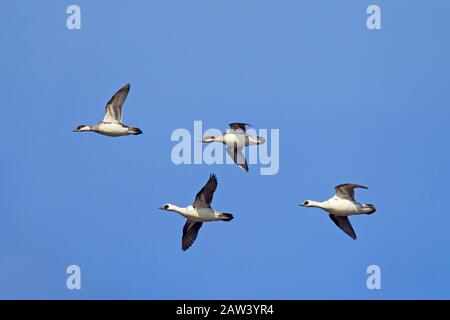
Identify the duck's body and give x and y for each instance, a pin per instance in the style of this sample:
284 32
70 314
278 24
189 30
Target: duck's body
112 125
200 214
197 213
236 138
111 129
342 205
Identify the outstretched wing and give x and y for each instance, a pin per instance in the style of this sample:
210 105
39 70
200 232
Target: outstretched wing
238 157
344 224
238 126
190 232
113 109
347 190
205 196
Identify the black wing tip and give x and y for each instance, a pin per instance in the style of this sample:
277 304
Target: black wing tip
351 235
190 232
186 244
125 88
239 124
213 176
355 185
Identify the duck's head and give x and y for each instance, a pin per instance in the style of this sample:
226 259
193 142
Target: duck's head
82 128
209 139
167 207
308 203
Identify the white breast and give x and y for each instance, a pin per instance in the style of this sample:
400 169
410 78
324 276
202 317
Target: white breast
113 129
343 207
201 214
237 139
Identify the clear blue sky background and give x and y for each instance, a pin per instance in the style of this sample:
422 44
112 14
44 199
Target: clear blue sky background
352 105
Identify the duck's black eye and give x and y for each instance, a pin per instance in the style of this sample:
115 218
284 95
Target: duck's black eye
166 206
306 203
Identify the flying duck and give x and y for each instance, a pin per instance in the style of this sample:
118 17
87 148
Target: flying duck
112 125
235 139
342 205
197 213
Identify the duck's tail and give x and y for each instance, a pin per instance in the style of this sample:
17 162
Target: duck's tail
135 131
371 207
226 217
260 140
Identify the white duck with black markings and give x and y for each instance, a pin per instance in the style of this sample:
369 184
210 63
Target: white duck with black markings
236 138
342 205
197 213
112 125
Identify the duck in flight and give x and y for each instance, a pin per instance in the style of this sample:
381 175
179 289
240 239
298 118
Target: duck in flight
198 212
112 125
236 138
342 205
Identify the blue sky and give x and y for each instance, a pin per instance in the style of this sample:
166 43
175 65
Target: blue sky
352 105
